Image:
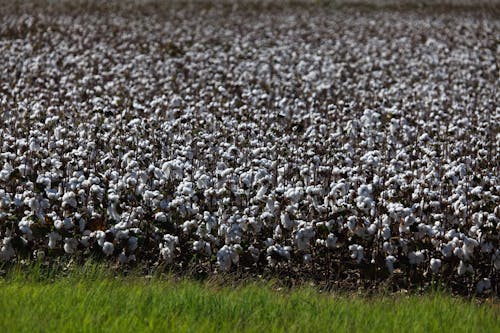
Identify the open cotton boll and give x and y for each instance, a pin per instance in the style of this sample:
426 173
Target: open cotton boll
132 243
357 252
122 258
69 199
224 259
167 248
435 265
303 236
389 263
464 268
331 241
6 249
70 245
54 237
483 285
108 248
286 222
416 257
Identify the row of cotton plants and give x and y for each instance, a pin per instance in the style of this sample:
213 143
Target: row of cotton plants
336 145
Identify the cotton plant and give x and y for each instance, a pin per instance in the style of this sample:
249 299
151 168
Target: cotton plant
286 157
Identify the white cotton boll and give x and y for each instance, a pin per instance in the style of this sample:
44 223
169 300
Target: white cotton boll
286 221
386 233
167 248
24 226
68 223
224 258
85 241
235 256
483 285
58 224
357 252
320 242
278 233
166 253
331 241
254 252
198 245
108 248
447 250
100 236
464 268
416 257
69 199
132 243
403 228
161 217
458 252
113 213
476 190
70 245
468 247
435 265
388 247
372 229
54 237
6 250
303 237
122 258
351 223
6 171
389 263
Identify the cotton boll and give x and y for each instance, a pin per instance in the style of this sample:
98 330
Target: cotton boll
224 258
483 285
303 237
435 265
167 248
389 263
286 222
108 248
70 245
447 250
458 252
357 252
202 246
132 243
372 229
24 227
6 249
331 241
54 237
416 257
100 236
464 268
161 217
69 199
122 258
85 241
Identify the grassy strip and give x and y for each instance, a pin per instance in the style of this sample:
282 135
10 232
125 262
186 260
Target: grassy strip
91 300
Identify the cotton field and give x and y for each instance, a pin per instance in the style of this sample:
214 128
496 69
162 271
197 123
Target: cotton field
348 145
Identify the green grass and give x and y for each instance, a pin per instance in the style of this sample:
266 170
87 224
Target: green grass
91 300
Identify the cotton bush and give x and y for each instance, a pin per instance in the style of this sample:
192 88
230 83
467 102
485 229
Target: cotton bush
317 141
